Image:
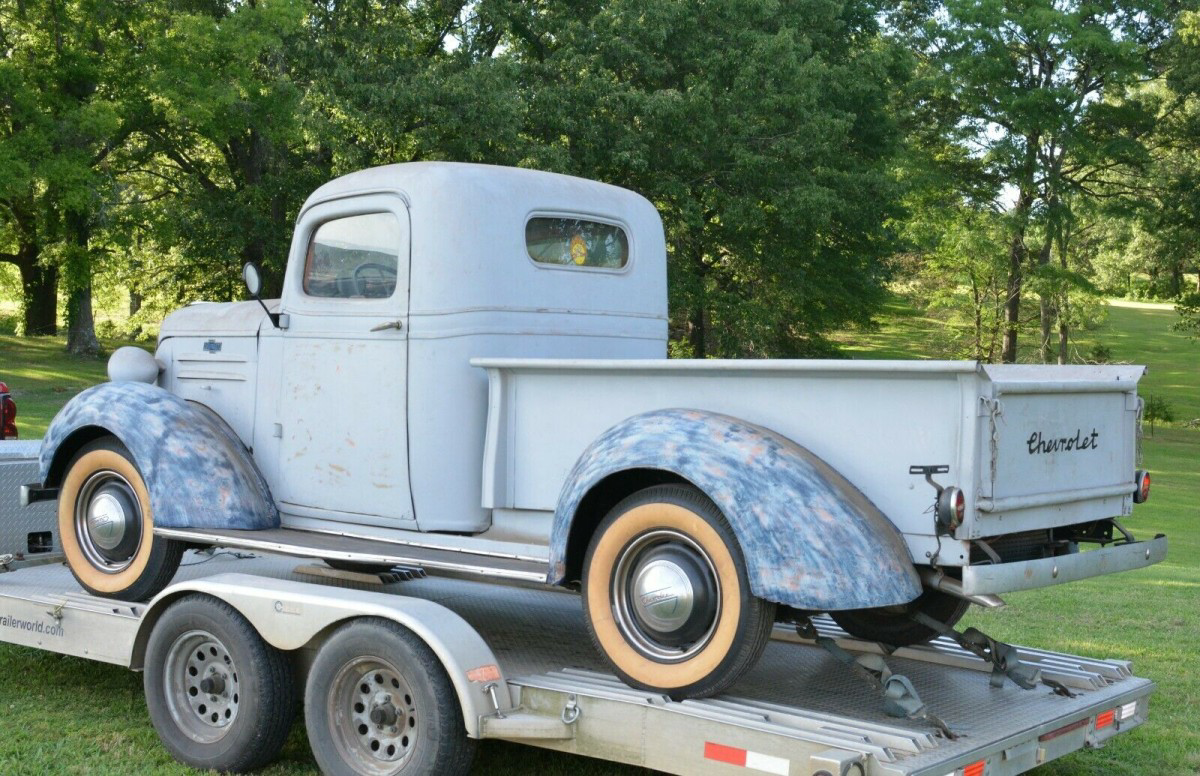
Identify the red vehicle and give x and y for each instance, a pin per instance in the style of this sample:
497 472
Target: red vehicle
8 414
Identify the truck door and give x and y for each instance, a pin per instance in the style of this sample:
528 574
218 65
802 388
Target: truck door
343 409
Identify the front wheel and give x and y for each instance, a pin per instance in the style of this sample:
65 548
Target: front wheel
667 597
106 525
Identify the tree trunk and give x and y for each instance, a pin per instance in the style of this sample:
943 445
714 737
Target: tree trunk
697 333
1012 303
1047 307
81 326
39 290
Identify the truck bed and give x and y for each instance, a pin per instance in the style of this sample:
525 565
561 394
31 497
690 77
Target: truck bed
797 703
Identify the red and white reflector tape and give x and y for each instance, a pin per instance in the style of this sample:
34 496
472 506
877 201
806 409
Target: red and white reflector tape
746 759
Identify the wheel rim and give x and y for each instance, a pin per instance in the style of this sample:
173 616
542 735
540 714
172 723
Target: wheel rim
373 714
666 595
108 521
202 686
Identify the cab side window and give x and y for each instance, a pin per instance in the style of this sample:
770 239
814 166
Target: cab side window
355 257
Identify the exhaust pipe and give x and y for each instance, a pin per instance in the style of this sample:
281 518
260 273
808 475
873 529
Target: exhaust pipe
939 580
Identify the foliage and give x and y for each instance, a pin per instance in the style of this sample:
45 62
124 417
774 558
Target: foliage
1188 308
1034 101
1157 410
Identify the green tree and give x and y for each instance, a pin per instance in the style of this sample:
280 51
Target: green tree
761 132
1039 92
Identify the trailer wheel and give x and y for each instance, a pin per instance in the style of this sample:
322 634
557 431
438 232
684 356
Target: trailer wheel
106 525
891 624
219 696
378 702
667 598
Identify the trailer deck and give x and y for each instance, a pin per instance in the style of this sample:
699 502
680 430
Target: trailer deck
799 711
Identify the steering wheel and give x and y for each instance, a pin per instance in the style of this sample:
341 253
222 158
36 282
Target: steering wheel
384 279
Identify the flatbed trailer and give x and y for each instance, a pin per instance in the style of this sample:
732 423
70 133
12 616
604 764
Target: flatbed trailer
798 712
523 667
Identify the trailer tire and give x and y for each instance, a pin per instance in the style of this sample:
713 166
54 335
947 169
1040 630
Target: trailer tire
106 525
378 701
891 625
241 719
673 535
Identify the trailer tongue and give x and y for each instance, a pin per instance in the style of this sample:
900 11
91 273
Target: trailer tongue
529 674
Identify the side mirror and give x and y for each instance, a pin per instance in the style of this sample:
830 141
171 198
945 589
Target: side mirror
252 278
253 281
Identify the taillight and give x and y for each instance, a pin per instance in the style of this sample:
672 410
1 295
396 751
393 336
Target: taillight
952 505
8 414
1141 490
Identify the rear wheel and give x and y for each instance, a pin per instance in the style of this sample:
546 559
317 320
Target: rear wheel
892 624
379 702
219 696
667 597
106 525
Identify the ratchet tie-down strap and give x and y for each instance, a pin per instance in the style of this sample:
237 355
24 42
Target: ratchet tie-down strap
900 698
1003 657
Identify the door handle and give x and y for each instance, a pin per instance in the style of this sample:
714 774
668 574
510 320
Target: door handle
388 325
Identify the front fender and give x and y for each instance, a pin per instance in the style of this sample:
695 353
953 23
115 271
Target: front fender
810 538
198 474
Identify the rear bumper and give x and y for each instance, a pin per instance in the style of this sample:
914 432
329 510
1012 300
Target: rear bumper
1026 575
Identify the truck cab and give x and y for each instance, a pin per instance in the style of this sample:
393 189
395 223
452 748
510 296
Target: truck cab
362 398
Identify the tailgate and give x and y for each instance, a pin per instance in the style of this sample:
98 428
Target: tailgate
1058 446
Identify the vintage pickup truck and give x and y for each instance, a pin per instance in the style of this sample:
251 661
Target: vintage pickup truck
466 373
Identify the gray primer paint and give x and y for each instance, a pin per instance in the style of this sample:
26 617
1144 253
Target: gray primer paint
810 538
198 473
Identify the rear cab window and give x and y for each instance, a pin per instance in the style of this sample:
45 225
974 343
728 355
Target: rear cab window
572 242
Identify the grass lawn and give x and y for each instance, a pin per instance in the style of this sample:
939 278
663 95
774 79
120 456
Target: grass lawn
66 715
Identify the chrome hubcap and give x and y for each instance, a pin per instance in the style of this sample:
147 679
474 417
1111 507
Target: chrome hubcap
666 595
662 595
108 521
375 715
203 688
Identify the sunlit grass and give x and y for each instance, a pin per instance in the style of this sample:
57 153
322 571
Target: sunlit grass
67 715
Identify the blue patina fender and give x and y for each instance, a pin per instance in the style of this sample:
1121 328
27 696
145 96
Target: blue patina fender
810 538
198 473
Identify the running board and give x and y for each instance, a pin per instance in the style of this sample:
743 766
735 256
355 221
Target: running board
310 544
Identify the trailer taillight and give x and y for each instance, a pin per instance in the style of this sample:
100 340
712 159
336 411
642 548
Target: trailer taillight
1141 491
8 414
1104 719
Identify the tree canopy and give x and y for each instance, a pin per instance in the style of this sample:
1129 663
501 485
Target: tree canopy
803 154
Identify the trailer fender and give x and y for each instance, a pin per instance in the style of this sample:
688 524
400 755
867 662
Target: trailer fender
291 615
198 473
810 538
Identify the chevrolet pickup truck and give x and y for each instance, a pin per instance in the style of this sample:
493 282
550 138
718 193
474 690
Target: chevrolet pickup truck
466 374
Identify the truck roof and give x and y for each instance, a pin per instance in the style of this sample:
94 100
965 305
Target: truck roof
420 178
470 248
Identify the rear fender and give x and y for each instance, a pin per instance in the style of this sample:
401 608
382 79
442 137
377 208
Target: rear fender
810 538
198 473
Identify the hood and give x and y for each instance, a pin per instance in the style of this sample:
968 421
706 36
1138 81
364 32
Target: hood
229 319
